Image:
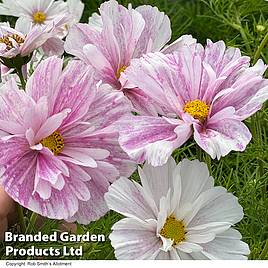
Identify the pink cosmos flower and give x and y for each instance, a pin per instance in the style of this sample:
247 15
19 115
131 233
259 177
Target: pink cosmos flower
59 147
14 43
206 92
112 39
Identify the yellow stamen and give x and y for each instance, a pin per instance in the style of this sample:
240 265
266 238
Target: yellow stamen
120 71
173 229
54 142
39 17
8 42
197 109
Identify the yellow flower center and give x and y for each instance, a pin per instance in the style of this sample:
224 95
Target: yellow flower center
173 229
8 42
39 17
54 142
197 109
120 71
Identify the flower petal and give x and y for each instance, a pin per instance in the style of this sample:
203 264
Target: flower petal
156 181
152 138
215 205
129 199
156 33
76 91
223 136
226 246
44 80
134 240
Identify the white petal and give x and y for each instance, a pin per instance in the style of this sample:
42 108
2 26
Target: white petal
157 180
134 239
167 243
215 205
129 199
188 247
195 179
226 247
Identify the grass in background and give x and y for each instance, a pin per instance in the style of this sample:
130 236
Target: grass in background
241 24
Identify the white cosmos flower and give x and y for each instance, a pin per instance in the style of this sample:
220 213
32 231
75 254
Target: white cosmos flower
40 12
35 12
177 213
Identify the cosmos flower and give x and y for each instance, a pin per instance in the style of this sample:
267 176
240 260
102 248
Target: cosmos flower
112 39
14 43
59 147
206 92
37 13
34 12
177 213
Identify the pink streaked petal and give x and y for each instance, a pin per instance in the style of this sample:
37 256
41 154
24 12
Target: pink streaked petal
225 63
43 188
13 106
61 204
95 207
56 161
11 127
36 115
220 138
184 40
51 125
142 104
152 138
44 80
95 57
153 75
122 28
188 64
79 172
80 35
108 140
116 107
34 39
254 104
80 155
76 91
53 47
49 170
109 170
60 183
80 189
247 93
156 32
18 181
18 176
29 134
72 160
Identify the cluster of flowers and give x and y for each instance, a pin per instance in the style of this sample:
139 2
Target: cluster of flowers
76 130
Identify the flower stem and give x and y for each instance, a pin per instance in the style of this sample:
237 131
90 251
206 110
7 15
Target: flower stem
32 221
260 48
21 218
264 253
20 74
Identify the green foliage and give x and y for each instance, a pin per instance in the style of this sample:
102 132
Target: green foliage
242 24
